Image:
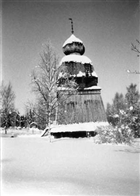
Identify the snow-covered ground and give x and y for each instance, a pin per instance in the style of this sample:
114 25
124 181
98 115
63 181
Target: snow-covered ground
35 166
34 132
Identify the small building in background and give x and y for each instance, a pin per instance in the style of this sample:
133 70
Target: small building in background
33 125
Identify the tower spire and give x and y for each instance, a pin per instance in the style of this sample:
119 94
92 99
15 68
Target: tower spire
72 31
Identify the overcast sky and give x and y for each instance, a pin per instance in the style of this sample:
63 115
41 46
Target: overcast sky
107 29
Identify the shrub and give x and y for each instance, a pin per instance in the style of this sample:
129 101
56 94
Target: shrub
114 135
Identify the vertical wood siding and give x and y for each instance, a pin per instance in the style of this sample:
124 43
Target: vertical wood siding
85 106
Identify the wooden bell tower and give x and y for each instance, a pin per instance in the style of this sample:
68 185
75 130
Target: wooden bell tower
86 105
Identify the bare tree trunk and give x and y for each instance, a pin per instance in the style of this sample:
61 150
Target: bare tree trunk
49 126
5 130
56 115
6 126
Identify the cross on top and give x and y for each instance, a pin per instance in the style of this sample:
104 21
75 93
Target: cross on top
72 31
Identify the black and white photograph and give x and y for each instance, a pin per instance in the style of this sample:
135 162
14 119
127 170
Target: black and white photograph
70 97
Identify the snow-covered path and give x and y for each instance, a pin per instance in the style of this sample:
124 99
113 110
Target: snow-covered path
34 166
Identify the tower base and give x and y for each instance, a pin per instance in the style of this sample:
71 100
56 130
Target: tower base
84 106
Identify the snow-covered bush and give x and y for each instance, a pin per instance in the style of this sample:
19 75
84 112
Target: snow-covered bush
134 120
114 135
125 110
129 118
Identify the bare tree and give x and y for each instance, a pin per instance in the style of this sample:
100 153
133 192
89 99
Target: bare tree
48 85
36 112
7 104
136 48
30 112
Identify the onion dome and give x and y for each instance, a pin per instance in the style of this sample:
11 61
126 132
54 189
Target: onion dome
73 45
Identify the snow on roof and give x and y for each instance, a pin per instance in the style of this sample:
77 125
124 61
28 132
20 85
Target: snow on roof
33 123
76 58
94 74
93 87
72 39
87 126
80 74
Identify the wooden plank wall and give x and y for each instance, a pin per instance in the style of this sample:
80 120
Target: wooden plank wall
85 106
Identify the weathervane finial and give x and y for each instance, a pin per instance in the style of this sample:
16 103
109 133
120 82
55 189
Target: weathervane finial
72 31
